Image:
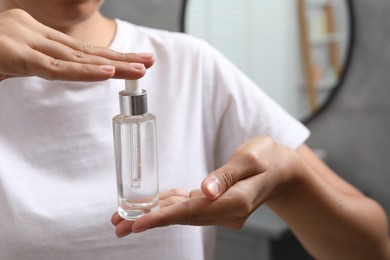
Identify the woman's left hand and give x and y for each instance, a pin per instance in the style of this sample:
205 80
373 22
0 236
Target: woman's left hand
328 215
254 173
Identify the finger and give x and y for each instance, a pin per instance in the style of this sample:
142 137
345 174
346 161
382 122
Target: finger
167 198
175 214
196 193
146 58
161 218
228 222
174 192
223 178
219 181
59 52
172 200
124 228
54 69
126 68
191 212
116 219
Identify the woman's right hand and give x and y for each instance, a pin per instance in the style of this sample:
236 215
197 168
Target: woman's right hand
29 48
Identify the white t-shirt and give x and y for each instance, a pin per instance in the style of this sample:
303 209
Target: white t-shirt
57 173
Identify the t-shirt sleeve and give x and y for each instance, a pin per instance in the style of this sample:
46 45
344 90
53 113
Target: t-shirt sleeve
239 109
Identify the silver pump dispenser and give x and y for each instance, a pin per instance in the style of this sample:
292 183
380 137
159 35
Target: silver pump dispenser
133 104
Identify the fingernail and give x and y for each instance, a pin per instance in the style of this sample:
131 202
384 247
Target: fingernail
137 66
107 68
212 187
145 56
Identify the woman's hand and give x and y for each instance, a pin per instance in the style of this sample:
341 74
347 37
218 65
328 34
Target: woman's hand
255 172
29 48
329 216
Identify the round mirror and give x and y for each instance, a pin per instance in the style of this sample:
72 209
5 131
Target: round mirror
296 51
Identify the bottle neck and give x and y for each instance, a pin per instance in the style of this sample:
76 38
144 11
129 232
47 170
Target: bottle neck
133 105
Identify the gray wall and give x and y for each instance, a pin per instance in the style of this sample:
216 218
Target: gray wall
162 14
355 129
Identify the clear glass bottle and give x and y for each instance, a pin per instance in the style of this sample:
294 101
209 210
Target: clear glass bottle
135 147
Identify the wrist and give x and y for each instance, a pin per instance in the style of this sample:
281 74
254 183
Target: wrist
291 179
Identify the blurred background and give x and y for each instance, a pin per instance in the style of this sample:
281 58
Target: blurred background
324 61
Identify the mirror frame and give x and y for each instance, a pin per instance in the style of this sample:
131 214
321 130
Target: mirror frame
346 65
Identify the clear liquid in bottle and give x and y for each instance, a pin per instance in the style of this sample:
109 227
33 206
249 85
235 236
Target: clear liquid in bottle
136 164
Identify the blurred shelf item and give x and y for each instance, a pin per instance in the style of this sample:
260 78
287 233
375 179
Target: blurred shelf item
327 39
320 46
326 83
320 3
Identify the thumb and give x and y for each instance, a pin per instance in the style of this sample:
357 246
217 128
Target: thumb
218 182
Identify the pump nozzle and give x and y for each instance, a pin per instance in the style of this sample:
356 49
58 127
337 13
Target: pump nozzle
132 87
133 99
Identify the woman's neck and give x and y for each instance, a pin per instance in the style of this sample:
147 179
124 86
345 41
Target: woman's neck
97 30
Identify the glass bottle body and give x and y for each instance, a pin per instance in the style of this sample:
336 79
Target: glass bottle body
136 161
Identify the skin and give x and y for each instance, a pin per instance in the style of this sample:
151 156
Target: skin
58 39
331 218
75 50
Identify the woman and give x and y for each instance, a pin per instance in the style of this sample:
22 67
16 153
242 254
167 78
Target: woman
57 172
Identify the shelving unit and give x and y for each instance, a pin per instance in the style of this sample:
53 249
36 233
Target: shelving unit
320 47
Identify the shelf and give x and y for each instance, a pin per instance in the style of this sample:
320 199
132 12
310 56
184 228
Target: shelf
320 3
327 39
326 83
319 29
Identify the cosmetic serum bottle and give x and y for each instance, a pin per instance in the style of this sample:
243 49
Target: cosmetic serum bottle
135 147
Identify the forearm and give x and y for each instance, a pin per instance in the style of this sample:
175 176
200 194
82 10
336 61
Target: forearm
331 218
332 223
